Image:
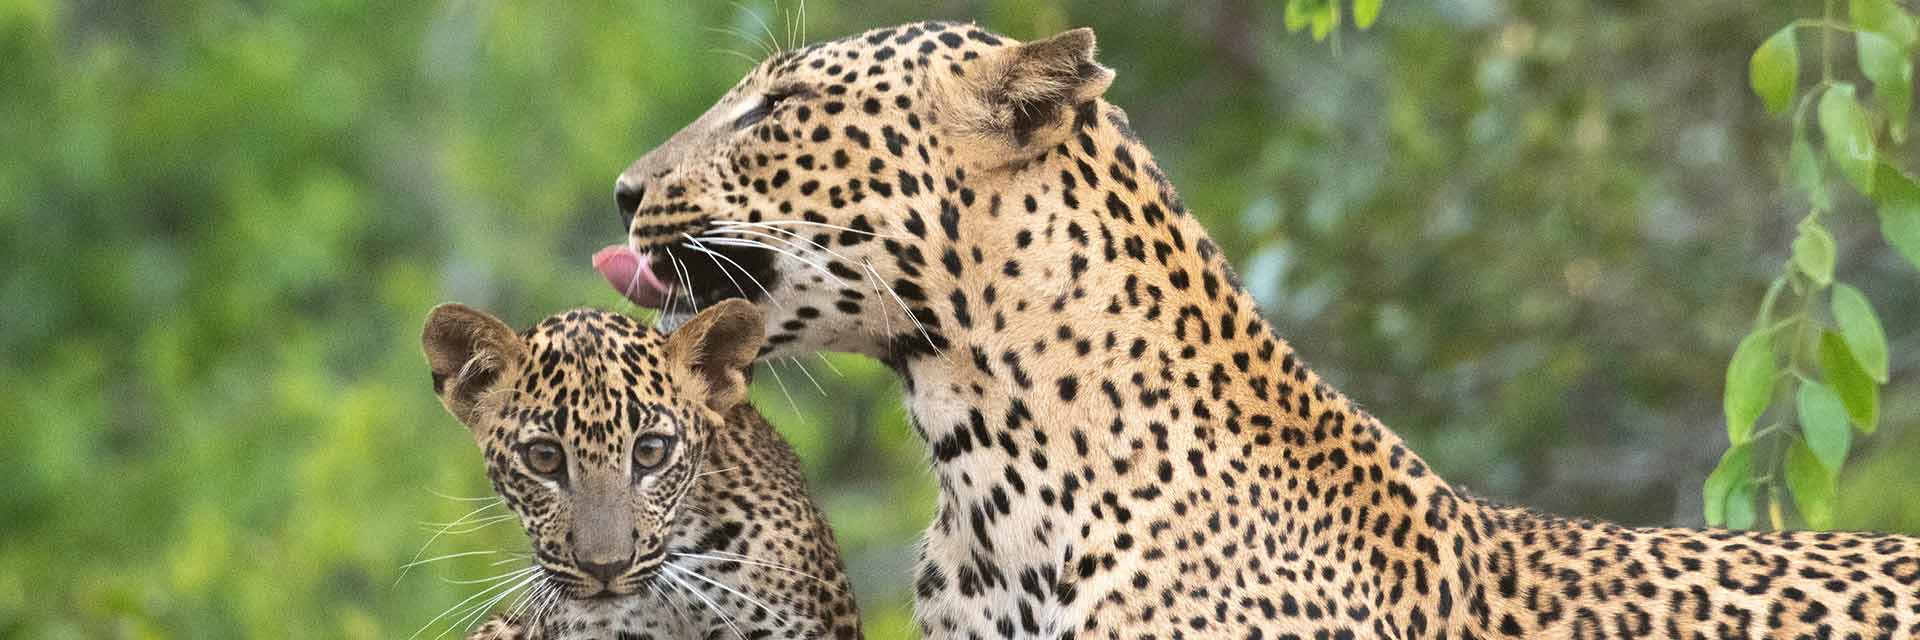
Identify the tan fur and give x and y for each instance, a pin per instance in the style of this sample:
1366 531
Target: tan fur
1125 448
697 546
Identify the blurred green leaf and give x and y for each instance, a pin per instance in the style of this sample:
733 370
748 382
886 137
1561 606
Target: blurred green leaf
1326 20
1812 484
1805 170
1890 68
1749 384
1774 70
1300 13
1857 390
1860 327
1849 135
1885 18
1813 252
1823 420
1735 469
1365 12
1899 200
1739 507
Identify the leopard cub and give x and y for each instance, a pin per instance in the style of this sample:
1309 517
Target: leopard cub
658 502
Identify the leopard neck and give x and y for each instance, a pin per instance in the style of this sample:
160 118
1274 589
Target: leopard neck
1074 299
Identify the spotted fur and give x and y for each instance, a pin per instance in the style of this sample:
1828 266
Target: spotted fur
718 537
1124 447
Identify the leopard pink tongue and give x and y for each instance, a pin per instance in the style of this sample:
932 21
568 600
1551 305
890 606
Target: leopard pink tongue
631 274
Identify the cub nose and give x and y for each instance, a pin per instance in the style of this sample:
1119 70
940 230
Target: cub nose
626 197
605 573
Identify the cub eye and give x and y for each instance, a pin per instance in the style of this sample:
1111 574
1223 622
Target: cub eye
649 452
544 458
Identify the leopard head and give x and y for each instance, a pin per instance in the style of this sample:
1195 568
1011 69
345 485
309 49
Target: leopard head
593 426
832 178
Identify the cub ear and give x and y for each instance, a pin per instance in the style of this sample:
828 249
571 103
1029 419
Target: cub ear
718 346
468 351
1030 90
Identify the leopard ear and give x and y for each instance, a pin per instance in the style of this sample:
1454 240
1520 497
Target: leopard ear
469 353
1055 74
718 346
1026 94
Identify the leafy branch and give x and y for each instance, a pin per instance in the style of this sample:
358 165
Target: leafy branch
1819 376
1322 17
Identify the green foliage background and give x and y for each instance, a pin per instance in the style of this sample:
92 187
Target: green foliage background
1525 233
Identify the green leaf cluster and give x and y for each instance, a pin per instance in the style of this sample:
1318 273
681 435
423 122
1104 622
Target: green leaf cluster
1836 366
1322 17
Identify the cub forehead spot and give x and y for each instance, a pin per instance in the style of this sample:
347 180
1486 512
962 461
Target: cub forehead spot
591 365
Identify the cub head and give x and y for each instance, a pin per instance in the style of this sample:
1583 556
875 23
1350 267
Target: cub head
832 177
593 426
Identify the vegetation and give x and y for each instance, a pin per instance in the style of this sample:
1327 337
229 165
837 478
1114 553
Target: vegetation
1525 233
1843 393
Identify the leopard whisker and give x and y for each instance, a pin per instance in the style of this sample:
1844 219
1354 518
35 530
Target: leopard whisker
786 21
743 35
516 557
731 241
540 612
829 362
716 256
678 612
745 559
809 374
469 527
436 536
493 499
686 279
770 368
873 279
777 47
474 613
675 296
750 59
449 556
819 248
514 608
461 606
905 309
510 575
717 611
633 282
771 611
654 589
768 224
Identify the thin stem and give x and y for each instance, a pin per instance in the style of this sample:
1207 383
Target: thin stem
1826 44
1796 357
1782 324
1819 23
1770 429
1767 301
1801 320
1774 516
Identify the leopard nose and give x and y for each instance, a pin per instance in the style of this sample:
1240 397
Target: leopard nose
626 197
605 573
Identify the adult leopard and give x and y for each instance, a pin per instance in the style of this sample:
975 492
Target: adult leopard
1124 447
659 504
